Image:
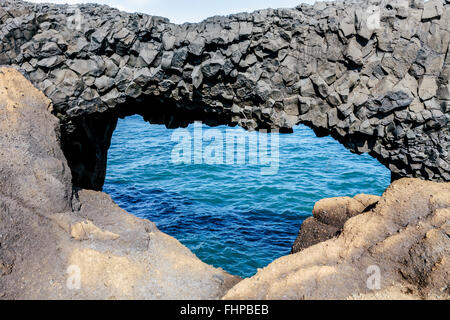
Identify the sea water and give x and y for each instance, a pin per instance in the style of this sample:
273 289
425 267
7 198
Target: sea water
230 215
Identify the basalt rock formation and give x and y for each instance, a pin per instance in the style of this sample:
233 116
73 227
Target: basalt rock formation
56 243
372 74
400 249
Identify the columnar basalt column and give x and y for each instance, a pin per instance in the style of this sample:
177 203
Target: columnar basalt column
372 74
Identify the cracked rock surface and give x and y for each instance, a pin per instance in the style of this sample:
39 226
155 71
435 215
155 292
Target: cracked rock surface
373 74
52 234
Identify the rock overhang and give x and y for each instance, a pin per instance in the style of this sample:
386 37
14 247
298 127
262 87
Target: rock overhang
372 74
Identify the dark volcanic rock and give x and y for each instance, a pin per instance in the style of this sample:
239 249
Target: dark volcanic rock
312 232
373 74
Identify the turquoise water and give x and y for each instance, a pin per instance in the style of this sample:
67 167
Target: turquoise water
230 215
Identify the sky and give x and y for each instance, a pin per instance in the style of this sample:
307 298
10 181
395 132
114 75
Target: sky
179 11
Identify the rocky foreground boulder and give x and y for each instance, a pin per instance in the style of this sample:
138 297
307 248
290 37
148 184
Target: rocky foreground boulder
329 216
57 243
400 249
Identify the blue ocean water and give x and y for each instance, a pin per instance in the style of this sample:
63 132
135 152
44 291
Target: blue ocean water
232 216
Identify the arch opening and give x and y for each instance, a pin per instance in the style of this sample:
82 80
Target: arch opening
230 215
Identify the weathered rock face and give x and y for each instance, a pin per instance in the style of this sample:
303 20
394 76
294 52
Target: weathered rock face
373 74
49 235
404 242
59 243
329 216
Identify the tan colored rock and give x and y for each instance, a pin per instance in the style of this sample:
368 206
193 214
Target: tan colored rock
329 216
406 237
367 199
81 229
33 168
98 270
85 230
335 211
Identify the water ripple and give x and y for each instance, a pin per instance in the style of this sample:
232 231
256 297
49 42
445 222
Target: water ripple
231 216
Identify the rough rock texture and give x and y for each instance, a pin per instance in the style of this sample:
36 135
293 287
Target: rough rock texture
406 236
329 216
373 74
48 231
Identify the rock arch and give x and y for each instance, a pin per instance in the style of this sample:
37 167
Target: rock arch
373 74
